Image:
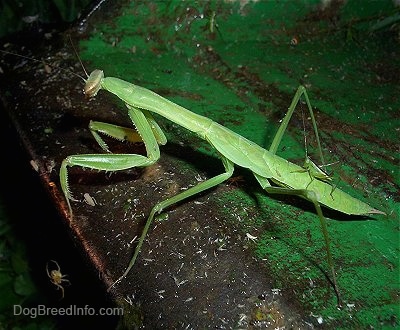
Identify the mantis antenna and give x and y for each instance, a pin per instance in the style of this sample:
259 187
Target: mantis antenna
41 61
78 57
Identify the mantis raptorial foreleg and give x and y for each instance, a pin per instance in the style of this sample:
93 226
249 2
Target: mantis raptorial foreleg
123 133
116 162
117 132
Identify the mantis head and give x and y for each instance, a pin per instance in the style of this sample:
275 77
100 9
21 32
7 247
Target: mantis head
93 83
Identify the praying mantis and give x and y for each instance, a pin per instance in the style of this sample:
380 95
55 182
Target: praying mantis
275 175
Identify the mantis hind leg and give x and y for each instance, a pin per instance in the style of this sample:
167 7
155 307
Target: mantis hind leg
312 197
279 134
158 208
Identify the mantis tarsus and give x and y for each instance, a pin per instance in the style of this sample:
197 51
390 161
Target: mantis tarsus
267 167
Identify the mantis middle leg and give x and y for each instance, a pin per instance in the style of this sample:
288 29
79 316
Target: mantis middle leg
158 208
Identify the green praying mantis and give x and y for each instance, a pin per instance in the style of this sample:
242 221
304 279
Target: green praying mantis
275 175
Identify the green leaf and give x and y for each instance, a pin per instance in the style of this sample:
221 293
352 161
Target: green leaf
23 285
18 259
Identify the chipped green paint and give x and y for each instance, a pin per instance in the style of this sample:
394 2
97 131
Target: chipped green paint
245 79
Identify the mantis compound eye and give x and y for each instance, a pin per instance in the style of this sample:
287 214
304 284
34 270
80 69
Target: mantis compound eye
93 83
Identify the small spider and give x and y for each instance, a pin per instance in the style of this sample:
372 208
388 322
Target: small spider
56 277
